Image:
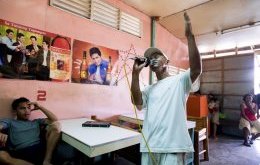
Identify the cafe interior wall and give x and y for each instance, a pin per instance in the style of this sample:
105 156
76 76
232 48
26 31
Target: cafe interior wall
71 100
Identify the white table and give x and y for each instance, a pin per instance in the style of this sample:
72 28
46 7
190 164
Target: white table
131 118
93 141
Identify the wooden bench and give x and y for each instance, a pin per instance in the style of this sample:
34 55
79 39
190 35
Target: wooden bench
200 135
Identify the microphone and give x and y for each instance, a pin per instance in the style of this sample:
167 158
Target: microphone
141 60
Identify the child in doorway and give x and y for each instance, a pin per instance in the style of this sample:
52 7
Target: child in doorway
213 106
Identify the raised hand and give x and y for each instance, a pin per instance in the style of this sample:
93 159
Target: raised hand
138 67
35 105
188 30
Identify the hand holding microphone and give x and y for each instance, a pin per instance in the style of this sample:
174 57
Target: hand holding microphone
142 60
139 64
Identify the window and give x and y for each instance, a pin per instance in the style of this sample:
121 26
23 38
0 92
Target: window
130 24
102 12
78 7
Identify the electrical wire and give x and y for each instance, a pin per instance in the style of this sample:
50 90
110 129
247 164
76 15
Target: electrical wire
139 125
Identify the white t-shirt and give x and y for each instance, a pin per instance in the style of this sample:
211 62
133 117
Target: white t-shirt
45 54
97 75
165 125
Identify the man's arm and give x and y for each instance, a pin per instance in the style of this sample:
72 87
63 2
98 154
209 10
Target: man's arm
51 117
194 56
251 109
136 94
9 44
3 137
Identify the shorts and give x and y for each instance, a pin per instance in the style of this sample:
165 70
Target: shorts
214 117
34 154
163 158
255 128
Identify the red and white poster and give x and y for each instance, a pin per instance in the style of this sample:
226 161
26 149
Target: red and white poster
94 64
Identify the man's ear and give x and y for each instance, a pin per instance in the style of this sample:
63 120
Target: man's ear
14 113
166 64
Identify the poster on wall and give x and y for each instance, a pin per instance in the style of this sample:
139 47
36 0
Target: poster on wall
94 64
28 53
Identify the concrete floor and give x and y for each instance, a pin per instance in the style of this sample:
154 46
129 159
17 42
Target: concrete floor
230 151
224 151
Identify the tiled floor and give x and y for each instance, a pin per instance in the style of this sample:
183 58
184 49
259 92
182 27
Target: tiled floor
230 151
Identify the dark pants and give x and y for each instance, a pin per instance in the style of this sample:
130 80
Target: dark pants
4 50
34 154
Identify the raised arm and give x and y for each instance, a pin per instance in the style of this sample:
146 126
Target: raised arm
51 117
194 56
135 87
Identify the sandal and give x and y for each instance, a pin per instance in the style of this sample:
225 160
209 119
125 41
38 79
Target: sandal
246 144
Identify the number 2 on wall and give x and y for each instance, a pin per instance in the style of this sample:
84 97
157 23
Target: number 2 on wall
41 95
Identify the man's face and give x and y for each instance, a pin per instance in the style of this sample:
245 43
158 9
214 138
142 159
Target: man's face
33 40
96 59
21 39
249 98
157 62
23 111
10 35
44 46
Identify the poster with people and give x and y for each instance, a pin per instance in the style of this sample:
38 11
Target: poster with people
92 64
28 53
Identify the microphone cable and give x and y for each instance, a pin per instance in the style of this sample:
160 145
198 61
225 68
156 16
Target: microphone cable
139 125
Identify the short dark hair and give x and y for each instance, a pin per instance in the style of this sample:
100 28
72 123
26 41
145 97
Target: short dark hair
33 37
19 35
9 31
244 97
212 97
16 102
47 42
94 50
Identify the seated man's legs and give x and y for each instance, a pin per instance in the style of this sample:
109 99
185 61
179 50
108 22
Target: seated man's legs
256 125
16 61
52 138
3 53
33 154
245 126
5 158
215 122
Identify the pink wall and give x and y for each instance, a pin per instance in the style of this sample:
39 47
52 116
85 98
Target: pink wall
69 100
172 47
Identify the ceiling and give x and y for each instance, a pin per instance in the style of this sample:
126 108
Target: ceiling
209 18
